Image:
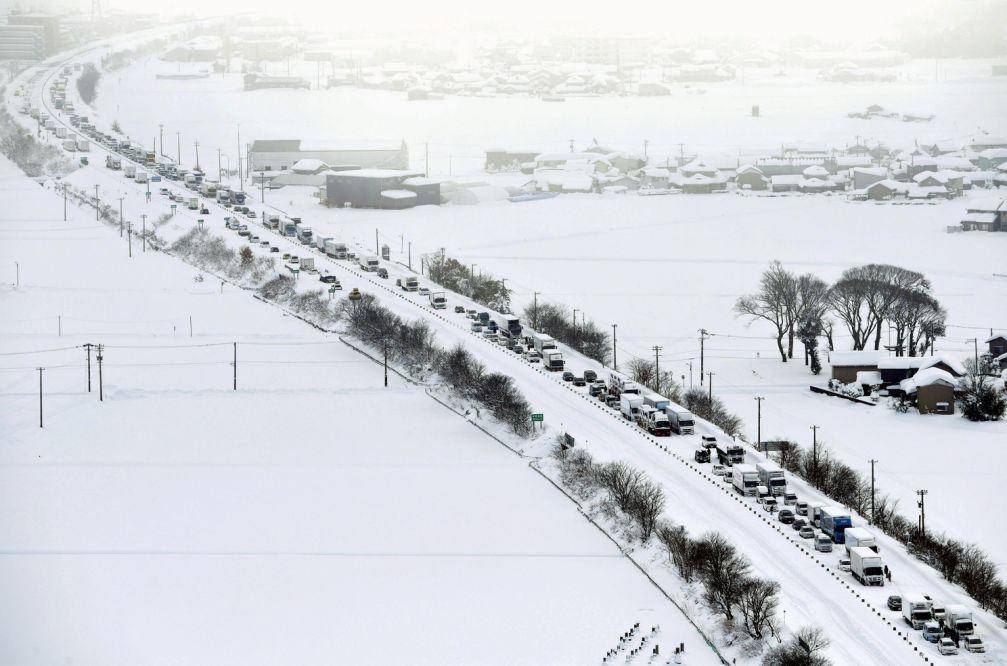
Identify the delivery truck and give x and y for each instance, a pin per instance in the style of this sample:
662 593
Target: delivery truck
866 566
834 520
771 475
916 610
745 479
629 405
682 420
859 537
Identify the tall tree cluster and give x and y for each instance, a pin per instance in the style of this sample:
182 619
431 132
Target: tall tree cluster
483 288
864 300
555 320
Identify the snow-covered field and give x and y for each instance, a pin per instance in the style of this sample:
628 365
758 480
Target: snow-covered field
310 516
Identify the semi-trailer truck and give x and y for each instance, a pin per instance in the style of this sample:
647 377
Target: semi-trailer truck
508 324
620 384
682 420
834 521
859 537
629 405
656 401
335 249
916 611
304 235
730 453
866 566
771 475
745 479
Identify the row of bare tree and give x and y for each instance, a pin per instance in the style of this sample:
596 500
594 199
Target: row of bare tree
863 300
483 288
555 320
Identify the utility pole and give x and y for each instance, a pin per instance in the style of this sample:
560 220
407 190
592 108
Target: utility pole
197 156
64 202
262 186
40 396
235 364
95 203
426 159
410 258
101 385
702 351
120 215
690 375
758 442
814 443
376 252
220 178
710 385
534 315
645 142
923 510
681 154
129 239
178 147
241 178
575 319
975 342
190 326
872 461
657 368
386 365
87 345
17 277
143 235
161 127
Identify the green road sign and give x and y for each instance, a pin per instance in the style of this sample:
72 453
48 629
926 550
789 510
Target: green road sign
537 417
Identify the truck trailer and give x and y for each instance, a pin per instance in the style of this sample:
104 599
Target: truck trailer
730 453
859 537
552 360
653 420
745 479
629 405
866 566
369 263
959 618
335 249
656 401
508 325
834 521
682 420
438 301
771 475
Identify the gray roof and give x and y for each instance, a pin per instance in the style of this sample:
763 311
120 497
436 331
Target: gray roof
276 146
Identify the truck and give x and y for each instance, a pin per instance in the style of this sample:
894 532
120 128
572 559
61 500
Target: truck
370 264
304 235
815 513
112 162
619 384
223 195
285 227
335 249
959 618
150 157
542 342
238 198
730 453
629 405
141 176
307 263
438 301
320 241
858 537
129 171
70 146
866 566
552 360
410 283
208 188
508 325
192 203
916 610
656 401
61 132
682 420
652 420
834 521
83 145
745 479
771 475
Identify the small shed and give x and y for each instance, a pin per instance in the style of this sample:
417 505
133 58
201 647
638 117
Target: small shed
750 177
846 364
398 199
932 390
997 343
427 190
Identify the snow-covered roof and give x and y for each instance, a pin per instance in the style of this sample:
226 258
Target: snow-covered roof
871 171
813 183
398 194
939 176
928 377
981 218
845 359
816 171
567 157
996 335
988 205
745 168
993 153
308 165
954 162
850 161
379 173
957 367
419 181
655 172
787 179
868 377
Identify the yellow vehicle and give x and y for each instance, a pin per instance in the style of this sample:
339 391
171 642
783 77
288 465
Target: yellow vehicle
355 294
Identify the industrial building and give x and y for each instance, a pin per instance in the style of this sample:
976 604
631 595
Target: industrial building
22 29
22 42
380 188
278 155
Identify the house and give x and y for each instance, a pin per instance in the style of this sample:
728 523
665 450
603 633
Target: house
586 162
846 364
991 158
427 190
365 188
987 141
864 176
279 155
785 183
997 343
932 390
397 199
812 185
701 184
952 181
882 190
655 177
751 178
986 215
894 369
500 159
698 167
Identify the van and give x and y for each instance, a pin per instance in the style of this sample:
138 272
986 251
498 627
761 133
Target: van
789 498
801 508
932 631
823 544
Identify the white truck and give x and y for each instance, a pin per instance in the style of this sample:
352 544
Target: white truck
70 146
916 610
682 420
629 405
745 479
959 618
370 264
208 188
552 360
320 241
192 203
858 537
730 453
771 475
410 283
83 145
335 249
129 171
438 301
652 420
620 384
307 263
304 235
141 176
866 566
542 342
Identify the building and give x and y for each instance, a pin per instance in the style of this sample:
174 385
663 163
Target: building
751 178
49 24
278 155
895 369
786 182
499 159
991 158
932 391
986 215
366 188
22 42
866 176
427 190
997 344
846 364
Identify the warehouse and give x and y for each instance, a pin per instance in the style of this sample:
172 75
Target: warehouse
366 188
278 155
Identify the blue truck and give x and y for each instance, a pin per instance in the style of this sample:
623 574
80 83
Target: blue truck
834 521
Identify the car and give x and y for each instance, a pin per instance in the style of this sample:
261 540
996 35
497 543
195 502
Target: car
701 455
355 294
383 273
251 214
264 243
490 335
789 498
801 508
895 602
612 401
476 327
798 523
534 358
204 211
594 390
718 469
286 256
329 279
786 516
567 376
823 544
244 233
424 291
937 608
233 225
165 191
459 309
947 646
844 564
579 381
294 259
351 256
709 441
806 532
932 631
590 375
973 644
471 314
518 349
274 249
253 239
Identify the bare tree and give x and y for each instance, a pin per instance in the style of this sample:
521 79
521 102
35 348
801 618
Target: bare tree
723 571
806 301
757 603
772 302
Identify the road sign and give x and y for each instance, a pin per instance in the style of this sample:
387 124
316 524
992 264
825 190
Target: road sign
537 418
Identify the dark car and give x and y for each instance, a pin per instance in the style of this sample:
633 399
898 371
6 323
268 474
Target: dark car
329 279
590 375
568 376
383 273
798 523
595 390
579 381
786 516
701 455
895 602
459 309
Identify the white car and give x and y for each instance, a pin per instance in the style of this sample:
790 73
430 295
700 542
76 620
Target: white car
718 470
947 646
844 564
974 644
